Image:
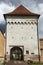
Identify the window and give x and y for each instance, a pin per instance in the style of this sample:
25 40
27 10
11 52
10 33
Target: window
25 22
29 23
32 53
21 22
32 22
8 22
11 22
27 52
15 22
18 22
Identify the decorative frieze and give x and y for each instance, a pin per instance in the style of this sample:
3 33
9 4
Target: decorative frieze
11 22
21 22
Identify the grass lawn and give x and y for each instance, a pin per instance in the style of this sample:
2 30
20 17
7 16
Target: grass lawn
4 63
35 64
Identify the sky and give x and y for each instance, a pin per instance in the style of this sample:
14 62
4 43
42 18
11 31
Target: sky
35 6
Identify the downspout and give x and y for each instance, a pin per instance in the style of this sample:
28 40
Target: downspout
38 43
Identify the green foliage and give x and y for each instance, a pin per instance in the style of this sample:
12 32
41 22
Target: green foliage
3 63
29 61
36 63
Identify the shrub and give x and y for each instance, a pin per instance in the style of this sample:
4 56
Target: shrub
3 63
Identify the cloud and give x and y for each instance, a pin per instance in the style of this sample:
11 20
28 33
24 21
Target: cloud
41 26
35 6
41 7
31 5
39 1
4 8
14 2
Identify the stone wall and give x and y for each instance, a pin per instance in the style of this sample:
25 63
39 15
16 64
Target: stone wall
41 49
2 47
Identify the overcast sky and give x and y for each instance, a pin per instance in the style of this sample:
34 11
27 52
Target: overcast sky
35 6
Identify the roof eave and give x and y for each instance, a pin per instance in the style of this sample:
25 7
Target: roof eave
20 15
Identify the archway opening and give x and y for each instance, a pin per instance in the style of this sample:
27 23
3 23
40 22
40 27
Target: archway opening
16 53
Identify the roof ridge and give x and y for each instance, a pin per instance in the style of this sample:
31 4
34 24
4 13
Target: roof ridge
21 10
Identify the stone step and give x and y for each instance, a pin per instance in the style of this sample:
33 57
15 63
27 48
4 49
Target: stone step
16 63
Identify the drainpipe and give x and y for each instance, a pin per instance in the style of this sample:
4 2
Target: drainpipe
5 39
38 43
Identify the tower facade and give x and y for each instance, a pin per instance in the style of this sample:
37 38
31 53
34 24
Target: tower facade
22 41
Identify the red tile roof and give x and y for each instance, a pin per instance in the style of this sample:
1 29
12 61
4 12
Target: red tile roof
41 39
21 10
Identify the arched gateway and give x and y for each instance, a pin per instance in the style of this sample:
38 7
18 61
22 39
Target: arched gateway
16 53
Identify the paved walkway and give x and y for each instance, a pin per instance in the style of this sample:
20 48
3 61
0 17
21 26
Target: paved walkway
16 63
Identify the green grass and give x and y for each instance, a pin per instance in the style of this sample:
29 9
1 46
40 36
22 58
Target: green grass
32 63
35 64
3 63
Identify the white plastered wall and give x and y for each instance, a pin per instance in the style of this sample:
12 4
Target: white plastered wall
22 34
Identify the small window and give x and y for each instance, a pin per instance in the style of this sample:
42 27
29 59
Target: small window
15 22
28 22
32 53
11 22
18 22
21 22
8 22
25 22
36 23
27 52
32 22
